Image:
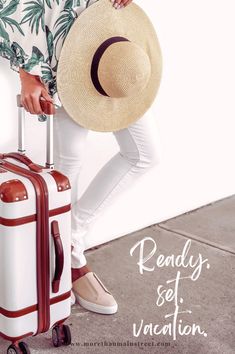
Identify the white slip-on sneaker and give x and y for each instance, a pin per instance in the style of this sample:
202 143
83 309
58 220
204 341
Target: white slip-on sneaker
91 294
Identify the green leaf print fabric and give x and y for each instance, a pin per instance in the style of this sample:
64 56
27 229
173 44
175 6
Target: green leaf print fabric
32 33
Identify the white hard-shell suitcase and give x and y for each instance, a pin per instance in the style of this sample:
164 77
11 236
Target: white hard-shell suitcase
35 244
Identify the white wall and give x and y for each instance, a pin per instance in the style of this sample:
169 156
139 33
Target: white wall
194 116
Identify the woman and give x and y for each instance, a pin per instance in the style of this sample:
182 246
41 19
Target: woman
40 28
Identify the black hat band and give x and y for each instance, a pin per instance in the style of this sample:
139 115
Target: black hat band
96 59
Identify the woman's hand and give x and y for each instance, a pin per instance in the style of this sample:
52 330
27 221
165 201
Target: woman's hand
31 91
119 4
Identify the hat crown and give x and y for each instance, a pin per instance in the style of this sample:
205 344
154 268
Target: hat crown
124 69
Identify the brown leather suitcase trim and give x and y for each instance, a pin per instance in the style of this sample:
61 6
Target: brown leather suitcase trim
14 339
42 245
29 309
31 218
2 170
12 191
61 180
60 321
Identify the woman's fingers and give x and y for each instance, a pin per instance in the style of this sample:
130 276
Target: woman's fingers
46 95
31 91
126 2
119 4
116 3
31 99
35 99
25 105
32 104
29 102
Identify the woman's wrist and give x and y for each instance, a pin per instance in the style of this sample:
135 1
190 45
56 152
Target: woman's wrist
24 75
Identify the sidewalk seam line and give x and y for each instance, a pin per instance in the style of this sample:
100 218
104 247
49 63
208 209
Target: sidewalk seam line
197 239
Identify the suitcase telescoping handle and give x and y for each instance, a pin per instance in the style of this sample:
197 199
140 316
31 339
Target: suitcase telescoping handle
59 256
49 109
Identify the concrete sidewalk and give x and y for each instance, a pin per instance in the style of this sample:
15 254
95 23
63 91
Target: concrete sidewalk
210 298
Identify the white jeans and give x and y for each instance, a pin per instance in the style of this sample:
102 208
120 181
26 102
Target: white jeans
138 153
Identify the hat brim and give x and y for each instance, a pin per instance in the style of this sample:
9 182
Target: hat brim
80 99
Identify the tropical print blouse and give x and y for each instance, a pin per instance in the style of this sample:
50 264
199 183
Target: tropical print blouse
32 33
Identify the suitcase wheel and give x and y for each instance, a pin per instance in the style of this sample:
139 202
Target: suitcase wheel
61 335
67 334
22 348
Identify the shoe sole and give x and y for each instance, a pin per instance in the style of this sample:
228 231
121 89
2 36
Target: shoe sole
107 310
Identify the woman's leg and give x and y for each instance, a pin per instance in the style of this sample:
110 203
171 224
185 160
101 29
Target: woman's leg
139 151
69 145
69 148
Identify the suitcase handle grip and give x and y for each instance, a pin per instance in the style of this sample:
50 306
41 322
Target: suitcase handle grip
24 159
59 256
47 106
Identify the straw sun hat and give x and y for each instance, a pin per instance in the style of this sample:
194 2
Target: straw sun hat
110 67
